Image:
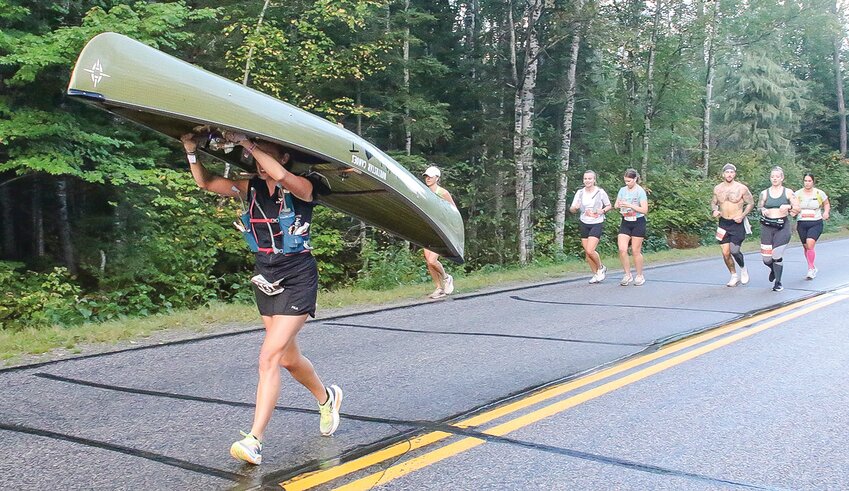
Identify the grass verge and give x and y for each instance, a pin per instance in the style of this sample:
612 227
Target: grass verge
33 345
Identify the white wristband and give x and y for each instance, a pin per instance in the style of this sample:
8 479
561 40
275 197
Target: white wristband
192 158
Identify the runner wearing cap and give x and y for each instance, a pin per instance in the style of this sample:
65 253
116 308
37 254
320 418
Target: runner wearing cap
444 282
731 202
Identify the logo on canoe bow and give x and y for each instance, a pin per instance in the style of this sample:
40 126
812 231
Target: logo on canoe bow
363 164
96 72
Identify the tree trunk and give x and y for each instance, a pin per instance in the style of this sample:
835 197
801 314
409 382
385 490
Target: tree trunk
566 145
709 52
362 238
37 221
362 234
408 135
247 72
518 182
9 250
649 114
64 224
359 108
630 109
838 75
119 225
523 136
500 179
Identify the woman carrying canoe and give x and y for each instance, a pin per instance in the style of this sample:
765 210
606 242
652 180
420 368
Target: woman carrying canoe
276 226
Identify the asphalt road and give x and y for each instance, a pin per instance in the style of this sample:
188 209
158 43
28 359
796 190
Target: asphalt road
557 386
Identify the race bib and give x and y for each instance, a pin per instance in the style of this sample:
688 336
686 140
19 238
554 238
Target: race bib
720 233
766 250
629 214
808 214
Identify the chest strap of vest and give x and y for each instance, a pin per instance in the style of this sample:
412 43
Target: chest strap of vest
297 245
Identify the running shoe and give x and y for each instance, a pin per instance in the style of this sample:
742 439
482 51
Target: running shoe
640 280
449 284
626 280
815 271
771 275
248 449
744 276
438 293
733 281
778 287
810 274
594 279
329 411
602 273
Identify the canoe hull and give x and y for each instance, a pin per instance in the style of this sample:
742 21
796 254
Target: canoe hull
168 95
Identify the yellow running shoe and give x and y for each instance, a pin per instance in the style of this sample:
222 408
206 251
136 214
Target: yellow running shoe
248 449
330 410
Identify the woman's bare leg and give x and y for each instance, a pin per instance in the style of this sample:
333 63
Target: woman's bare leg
280 332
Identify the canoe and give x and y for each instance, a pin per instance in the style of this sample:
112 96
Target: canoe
146 86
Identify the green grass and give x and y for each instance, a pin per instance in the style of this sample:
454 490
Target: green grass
19 347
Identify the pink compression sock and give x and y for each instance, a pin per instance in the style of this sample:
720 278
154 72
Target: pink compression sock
810 255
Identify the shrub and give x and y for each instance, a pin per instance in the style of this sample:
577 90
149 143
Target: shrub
679 201
29 299
390 266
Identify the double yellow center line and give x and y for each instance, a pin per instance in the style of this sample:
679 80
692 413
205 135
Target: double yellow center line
755 324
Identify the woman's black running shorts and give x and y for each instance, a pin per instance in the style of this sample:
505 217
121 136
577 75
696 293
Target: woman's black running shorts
300 286
591 229
637 228
809 229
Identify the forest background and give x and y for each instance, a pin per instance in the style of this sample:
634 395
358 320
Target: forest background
513 100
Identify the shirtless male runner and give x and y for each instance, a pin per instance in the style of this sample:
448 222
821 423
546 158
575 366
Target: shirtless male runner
731 202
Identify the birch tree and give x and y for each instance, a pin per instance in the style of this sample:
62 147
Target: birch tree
525 80
709 52
566 138
649 109
838 76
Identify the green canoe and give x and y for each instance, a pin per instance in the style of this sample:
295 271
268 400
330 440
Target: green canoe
149 87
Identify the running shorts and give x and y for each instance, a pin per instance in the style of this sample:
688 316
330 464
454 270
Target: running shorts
776 237
591 229
735 233
636 228
300 286
809 229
